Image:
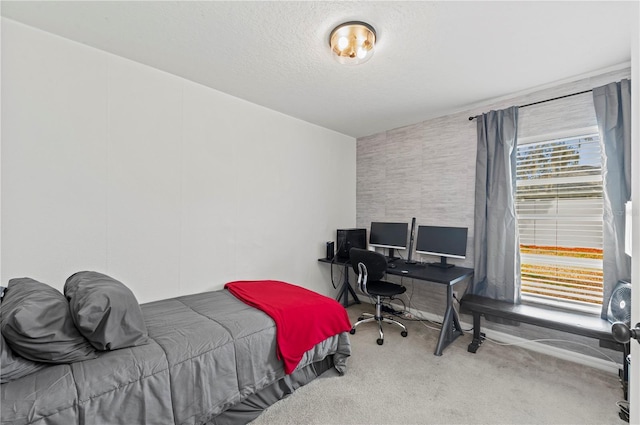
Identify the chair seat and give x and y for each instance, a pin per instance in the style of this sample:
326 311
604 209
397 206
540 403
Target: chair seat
385 289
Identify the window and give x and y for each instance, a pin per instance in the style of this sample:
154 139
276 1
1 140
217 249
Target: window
559 202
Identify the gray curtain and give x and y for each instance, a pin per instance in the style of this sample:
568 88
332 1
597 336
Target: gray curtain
613 112
496 241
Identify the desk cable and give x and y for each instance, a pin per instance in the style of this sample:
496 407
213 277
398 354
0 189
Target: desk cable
333 283
405 315
333 260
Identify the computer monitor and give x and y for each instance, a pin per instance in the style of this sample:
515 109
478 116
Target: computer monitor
446 242
389 235
350 238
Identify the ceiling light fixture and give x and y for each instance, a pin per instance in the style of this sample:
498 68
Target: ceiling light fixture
352 42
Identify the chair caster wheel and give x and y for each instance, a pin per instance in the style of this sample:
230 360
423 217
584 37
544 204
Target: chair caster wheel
380 341
404 333
352 331
360 318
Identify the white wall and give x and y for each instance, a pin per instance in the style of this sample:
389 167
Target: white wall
167 185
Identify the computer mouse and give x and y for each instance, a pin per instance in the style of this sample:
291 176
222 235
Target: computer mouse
392 266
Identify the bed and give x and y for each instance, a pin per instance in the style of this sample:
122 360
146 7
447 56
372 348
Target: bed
206 358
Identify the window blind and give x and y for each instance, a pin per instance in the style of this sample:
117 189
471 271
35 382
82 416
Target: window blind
559 206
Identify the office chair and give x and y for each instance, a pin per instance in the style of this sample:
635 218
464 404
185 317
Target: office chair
371 266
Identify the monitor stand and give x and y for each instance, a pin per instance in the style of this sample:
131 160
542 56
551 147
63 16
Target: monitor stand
442 264
391 256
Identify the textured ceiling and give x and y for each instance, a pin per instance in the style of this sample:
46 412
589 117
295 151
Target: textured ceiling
431 58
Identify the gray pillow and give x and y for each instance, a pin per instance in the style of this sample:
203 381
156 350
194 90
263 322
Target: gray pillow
105 311
37 325
13 367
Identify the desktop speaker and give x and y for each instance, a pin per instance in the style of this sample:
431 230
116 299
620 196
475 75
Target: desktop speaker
330 251
350 238
411 238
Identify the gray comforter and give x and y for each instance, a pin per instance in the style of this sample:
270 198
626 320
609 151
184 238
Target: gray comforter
207 353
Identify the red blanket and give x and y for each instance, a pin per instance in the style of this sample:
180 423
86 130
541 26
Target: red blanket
303 317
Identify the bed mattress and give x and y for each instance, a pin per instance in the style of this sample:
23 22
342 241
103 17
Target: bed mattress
207 353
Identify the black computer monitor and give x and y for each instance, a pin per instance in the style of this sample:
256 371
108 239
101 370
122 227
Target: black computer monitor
389 235
446 242
350 238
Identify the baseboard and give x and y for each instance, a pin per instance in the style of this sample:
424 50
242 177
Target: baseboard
582 359
504 338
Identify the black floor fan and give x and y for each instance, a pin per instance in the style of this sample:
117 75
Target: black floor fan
619 309
619 313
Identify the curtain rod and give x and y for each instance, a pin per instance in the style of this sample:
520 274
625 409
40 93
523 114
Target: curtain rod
548 100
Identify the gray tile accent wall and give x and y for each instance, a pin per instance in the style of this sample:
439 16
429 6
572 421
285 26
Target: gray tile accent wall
427 171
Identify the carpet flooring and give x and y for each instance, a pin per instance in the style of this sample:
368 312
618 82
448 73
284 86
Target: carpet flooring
402 382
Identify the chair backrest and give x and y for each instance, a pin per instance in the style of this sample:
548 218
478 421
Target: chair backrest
374 262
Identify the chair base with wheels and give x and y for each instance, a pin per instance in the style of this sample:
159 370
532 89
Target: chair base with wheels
378 317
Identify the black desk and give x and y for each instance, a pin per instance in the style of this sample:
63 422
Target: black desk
451 328
345 288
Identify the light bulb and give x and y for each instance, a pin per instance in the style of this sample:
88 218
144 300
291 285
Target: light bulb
352 42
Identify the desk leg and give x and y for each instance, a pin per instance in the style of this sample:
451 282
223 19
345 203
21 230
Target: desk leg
451 328
346 289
